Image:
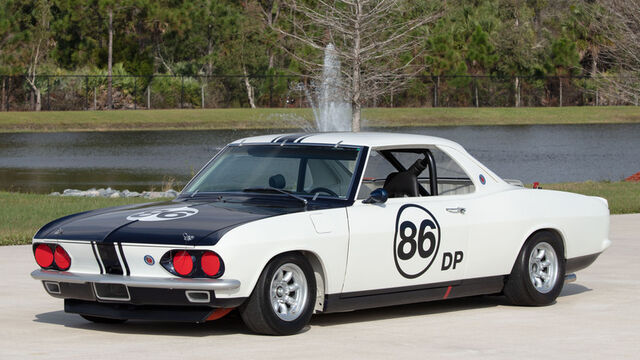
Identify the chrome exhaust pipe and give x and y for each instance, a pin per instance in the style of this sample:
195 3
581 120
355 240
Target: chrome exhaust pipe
569 278
198 296
52 287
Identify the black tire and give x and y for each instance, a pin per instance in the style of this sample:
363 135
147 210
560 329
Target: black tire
258 313
103 320
520 288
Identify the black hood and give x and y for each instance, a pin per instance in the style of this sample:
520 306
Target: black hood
174 222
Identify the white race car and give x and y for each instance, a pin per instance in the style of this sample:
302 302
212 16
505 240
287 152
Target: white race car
281 227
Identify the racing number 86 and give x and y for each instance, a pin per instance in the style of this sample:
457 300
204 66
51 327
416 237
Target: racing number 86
409 237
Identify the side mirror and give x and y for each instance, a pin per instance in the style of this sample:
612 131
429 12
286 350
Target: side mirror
377 196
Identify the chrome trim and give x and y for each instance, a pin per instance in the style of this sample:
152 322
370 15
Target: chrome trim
458 210
136 281
543 267
569 278
289 292
514 182
189 294
51 290
95 291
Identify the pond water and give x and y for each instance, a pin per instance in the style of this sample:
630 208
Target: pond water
142 160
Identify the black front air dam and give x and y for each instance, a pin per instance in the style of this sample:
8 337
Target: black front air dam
192 314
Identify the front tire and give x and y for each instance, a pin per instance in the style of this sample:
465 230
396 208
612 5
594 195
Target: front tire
538 274
284 297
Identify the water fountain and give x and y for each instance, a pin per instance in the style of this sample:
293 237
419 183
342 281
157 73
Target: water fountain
330 105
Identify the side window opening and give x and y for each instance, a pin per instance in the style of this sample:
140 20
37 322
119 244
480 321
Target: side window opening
374 174
452 179
383 165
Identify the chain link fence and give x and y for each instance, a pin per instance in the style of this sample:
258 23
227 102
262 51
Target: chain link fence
90 92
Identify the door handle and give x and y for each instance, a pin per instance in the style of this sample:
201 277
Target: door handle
457 210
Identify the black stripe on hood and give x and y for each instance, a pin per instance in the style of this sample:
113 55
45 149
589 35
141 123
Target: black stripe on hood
194 222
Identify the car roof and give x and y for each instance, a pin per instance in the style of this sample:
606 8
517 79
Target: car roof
370 139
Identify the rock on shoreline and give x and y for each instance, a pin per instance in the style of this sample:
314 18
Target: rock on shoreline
111 193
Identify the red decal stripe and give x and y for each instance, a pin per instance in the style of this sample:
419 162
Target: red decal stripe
218 313
446 295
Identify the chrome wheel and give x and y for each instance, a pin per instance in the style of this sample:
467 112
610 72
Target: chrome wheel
543 267
289 292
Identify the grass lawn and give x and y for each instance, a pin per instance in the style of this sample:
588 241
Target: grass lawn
21 215
53 121
623 196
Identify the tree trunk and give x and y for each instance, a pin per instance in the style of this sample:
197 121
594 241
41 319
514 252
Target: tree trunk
356 88
594 62
537 19
560 81
355 117
271 19
250 93
8 104
4 93
436 90
110 63
475 90
202 96
38 104
271 59
36 96
517 91
211 36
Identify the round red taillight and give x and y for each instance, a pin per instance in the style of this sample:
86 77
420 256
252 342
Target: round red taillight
63 261
44 255
183 263
210 263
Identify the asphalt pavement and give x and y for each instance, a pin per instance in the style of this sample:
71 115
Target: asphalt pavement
596 317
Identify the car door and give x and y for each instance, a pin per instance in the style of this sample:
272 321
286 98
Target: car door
406 241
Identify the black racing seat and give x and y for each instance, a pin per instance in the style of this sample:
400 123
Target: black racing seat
405 183
401 184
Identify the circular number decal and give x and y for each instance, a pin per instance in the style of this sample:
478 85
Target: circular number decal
163 214
416 241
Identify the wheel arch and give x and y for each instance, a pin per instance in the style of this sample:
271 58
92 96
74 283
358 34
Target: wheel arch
519 290
557 233
318 270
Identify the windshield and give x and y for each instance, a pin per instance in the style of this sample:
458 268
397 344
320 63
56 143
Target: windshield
301 170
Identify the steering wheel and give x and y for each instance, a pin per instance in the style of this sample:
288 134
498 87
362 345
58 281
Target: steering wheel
324 190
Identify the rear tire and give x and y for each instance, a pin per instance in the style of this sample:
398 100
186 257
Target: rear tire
103 320
284 297
538 274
